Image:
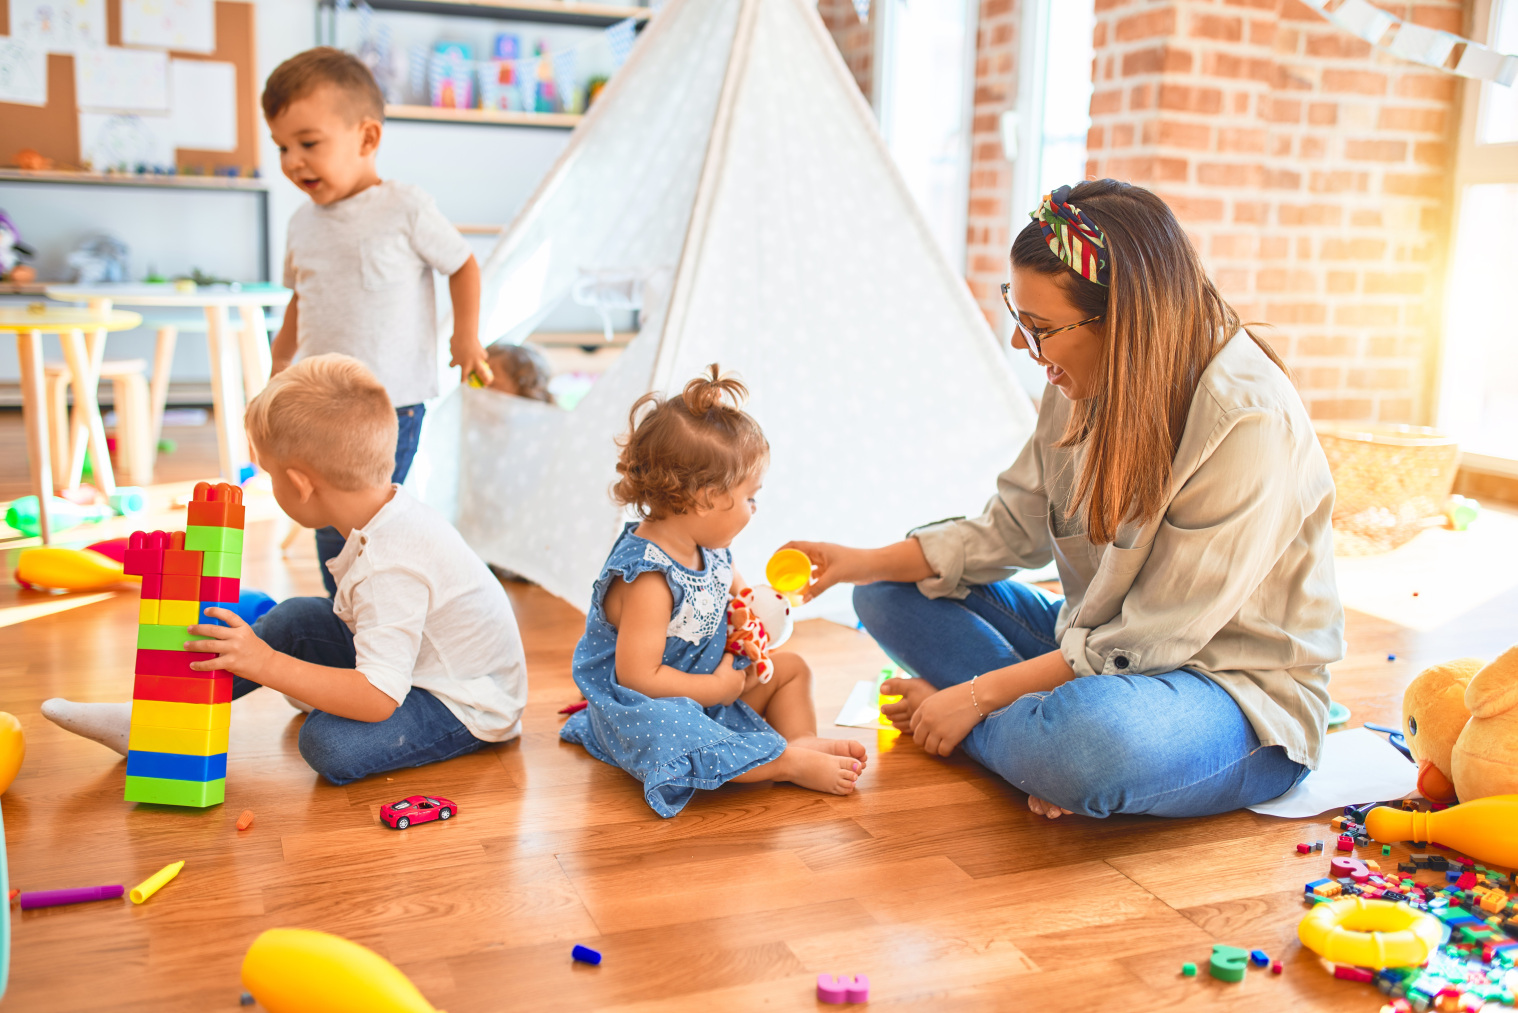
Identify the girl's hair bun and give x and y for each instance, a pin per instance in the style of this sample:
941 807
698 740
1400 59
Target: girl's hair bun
706 392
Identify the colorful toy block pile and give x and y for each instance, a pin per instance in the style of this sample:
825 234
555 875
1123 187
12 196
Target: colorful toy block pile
181 717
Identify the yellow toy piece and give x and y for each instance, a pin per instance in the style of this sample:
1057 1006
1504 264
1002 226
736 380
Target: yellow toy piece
12 749
788 571
304 971
70 569
1484 828
142 891
1370 933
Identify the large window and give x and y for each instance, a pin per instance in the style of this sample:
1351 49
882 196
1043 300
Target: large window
1478 401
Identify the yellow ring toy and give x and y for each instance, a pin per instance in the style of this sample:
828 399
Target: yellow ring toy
1370 933
788 571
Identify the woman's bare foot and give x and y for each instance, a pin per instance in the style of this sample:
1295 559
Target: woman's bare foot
837 747
820 771
912 692
1048 809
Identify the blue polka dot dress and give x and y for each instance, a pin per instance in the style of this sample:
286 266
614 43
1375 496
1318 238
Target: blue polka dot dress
672 744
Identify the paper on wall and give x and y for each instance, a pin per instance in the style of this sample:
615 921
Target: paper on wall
188 25
1422 45
60 26
1357 766
1487 64
23 72
124 141
203 104
135 80
1360 17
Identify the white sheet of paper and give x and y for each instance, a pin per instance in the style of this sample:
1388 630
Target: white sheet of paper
862 708
130 80
1357 766
23 72
203 104
60 26
188 25
116 141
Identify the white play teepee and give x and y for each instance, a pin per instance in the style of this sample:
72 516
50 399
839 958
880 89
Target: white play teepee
734 168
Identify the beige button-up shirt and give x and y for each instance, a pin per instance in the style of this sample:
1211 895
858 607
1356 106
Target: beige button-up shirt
1234 579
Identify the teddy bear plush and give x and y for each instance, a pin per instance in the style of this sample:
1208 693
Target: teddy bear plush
758 622
1460 719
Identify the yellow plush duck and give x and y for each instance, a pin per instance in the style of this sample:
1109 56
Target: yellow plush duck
1461 723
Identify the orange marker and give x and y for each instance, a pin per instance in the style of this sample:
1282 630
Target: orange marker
245 820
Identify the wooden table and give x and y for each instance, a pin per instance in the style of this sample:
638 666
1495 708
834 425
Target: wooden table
252 364
82 333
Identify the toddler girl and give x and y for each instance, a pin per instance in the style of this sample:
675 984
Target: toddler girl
667 703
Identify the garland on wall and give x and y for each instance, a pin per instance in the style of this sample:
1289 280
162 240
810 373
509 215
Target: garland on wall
1418 44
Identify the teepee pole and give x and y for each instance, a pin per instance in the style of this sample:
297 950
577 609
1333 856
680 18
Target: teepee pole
672 331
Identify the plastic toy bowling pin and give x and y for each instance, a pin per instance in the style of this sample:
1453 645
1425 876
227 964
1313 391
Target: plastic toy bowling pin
1484 828
304 971
788 571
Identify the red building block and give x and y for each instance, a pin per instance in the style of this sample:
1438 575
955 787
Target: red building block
144 553
175 664
152 585
217 505
186 562
219 589
181 587
1346 843
177 689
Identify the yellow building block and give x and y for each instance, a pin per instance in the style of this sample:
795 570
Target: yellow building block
1494 901
185 741
178 613
147 612
167 714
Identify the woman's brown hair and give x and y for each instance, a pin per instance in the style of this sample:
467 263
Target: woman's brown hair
684 449
1164 323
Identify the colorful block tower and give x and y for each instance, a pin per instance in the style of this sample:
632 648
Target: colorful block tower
177 754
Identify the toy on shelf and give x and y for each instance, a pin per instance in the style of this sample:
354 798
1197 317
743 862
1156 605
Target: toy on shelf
1484 828
452 80
1370 933
177 753
758 622
53 566
304 971
1460 720
417 809
12 752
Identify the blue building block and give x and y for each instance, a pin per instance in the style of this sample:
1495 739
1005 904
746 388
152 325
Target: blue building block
176 766
585 955
1259 958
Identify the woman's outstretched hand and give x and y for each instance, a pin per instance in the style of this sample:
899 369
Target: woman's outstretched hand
831 564
938 719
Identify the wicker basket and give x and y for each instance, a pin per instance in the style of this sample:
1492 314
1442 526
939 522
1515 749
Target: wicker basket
1391 482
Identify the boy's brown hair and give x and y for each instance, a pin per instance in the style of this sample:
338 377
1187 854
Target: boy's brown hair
303 73
329 414
527 366
688 447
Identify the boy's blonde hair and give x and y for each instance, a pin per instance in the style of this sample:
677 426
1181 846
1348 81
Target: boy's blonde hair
688 447
330 414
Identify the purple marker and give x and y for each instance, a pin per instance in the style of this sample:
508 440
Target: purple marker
77 895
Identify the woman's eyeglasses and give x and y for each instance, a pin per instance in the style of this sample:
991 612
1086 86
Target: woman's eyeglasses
1035 336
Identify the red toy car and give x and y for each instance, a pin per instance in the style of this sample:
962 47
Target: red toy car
417 809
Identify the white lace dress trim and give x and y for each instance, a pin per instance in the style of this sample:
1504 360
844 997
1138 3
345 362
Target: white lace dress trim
703 609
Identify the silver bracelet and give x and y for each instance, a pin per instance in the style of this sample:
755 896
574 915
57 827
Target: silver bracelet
972 697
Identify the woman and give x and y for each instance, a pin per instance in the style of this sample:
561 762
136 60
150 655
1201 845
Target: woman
1175 479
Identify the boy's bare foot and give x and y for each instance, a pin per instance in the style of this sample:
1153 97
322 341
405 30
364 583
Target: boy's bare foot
837 747
821 771
1048 809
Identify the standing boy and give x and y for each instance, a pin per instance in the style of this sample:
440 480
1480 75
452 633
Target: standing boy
360 256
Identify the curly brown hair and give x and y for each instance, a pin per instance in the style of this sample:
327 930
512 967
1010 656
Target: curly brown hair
688 448
527 366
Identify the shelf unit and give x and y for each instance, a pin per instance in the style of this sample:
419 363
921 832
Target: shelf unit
589 15
483 117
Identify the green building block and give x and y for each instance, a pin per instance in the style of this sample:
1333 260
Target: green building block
163 638
164 791
1385 850
1188 969
1228 963
222 564
213 539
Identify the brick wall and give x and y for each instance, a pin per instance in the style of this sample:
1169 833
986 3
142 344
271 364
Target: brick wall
855 41
989 221
1311 172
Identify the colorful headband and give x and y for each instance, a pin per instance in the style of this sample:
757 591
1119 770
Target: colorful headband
1073 237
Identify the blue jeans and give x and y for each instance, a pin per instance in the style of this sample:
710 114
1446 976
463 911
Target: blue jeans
1173 744
328 542
421 730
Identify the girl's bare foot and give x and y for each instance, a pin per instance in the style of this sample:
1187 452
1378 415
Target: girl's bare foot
1048 809
820 771
837 747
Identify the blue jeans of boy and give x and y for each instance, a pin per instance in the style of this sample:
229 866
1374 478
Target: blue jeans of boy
422 730
1172 744
328 542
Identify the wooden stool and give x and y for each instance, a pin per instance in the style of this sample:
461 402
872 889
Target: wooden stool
136 437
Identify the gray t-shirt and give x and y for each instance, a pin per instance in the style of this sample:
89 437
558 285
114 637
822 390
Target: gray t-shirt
362 269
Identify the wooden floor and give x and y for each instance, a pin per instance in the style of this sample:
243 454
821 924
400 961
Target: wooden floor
933 879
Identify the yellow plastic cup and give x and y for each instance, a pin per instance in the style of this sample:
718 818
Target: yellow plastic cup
788 571
142 891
